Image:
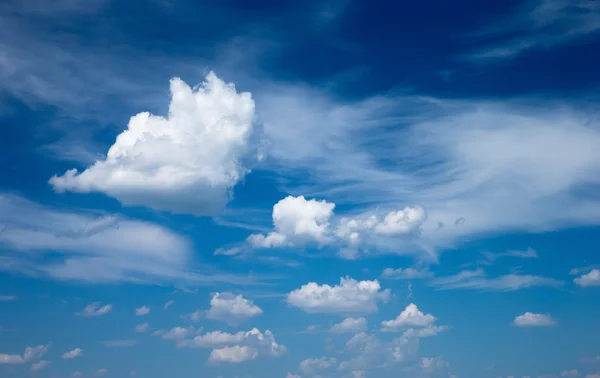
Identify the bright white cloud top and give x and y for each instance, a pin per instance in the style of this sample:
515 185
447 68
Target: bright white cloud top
187 162
233 309
530 319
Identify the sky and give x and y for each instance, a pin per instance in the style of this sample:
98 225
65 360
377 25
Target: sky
299 189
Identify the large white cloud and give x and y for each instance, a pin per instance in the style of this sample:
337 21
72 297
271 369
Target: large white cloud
233 354
530 319
350 297
592 278
233 309
186 162
30 354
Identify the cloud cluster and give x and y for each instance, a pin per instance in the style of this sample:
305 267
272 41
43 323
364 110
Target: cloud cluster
236 347
233 309
592 278
187 162
299 222
350 297
311 365
31 354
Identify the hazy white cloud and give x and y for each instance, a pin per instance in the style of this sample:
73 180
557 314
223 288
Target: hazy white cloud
350 297
406 273
168 304
39 365
178 333
432 364
233 309
187 162
31 354
77 352
312 365
290 375
410 317
530 319
119 343
570 373
233 354
143 327
529 253
478 280
350 325
100 372
592 278
144 310
95 309
7 298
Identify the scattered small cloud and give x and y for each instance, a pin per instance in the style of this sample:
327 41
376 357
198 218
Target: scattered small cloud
530 319
143 327
39 365
350 325
77 352
592 278
232 309
313 365
31 354
95 309
144 310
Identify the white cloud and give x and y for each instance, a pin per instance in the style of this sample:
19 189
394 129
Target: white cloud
428 331
30 354
77 374
311 365
350 325
233 309
187 162
95 309
410 317
589 279
570 373
433 364
39 365
367 352
119 343
290 375
144 310
297 221
233 354
477 280
529 253
143 327
350 297
100 372
236 347
77 352
178 333
406 273
168 304
530 319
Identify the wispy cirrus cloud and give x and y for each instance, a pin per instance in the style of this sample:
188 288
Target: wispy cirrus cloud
478 280
537 24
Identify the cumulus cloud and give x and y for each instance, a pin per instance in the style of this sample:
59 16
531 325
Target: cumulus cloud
530 319
95 309
410 317
350 325
143 327
367 352
186 162
591 278
350 297
233 309
77 352
39 365
233 354
178 333
478 280
144 310
298 222
311 365
236 347
31 354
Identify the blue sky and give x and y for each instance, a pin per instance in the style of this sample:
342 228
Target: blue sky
284 189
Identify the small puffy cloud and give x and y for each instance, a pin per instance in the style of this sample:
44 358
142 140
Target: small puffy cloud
144 310
39 365
570 373
350 325
143 327
178 333
187 162
30 354
95 309
350 297
530 319
405 274
297 221
311 365
590 279
233 309
77 352
233 354
100 372
410 317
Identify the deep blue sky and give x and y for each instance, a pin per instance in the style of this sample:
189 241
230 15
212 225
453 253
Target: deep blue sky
283 189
